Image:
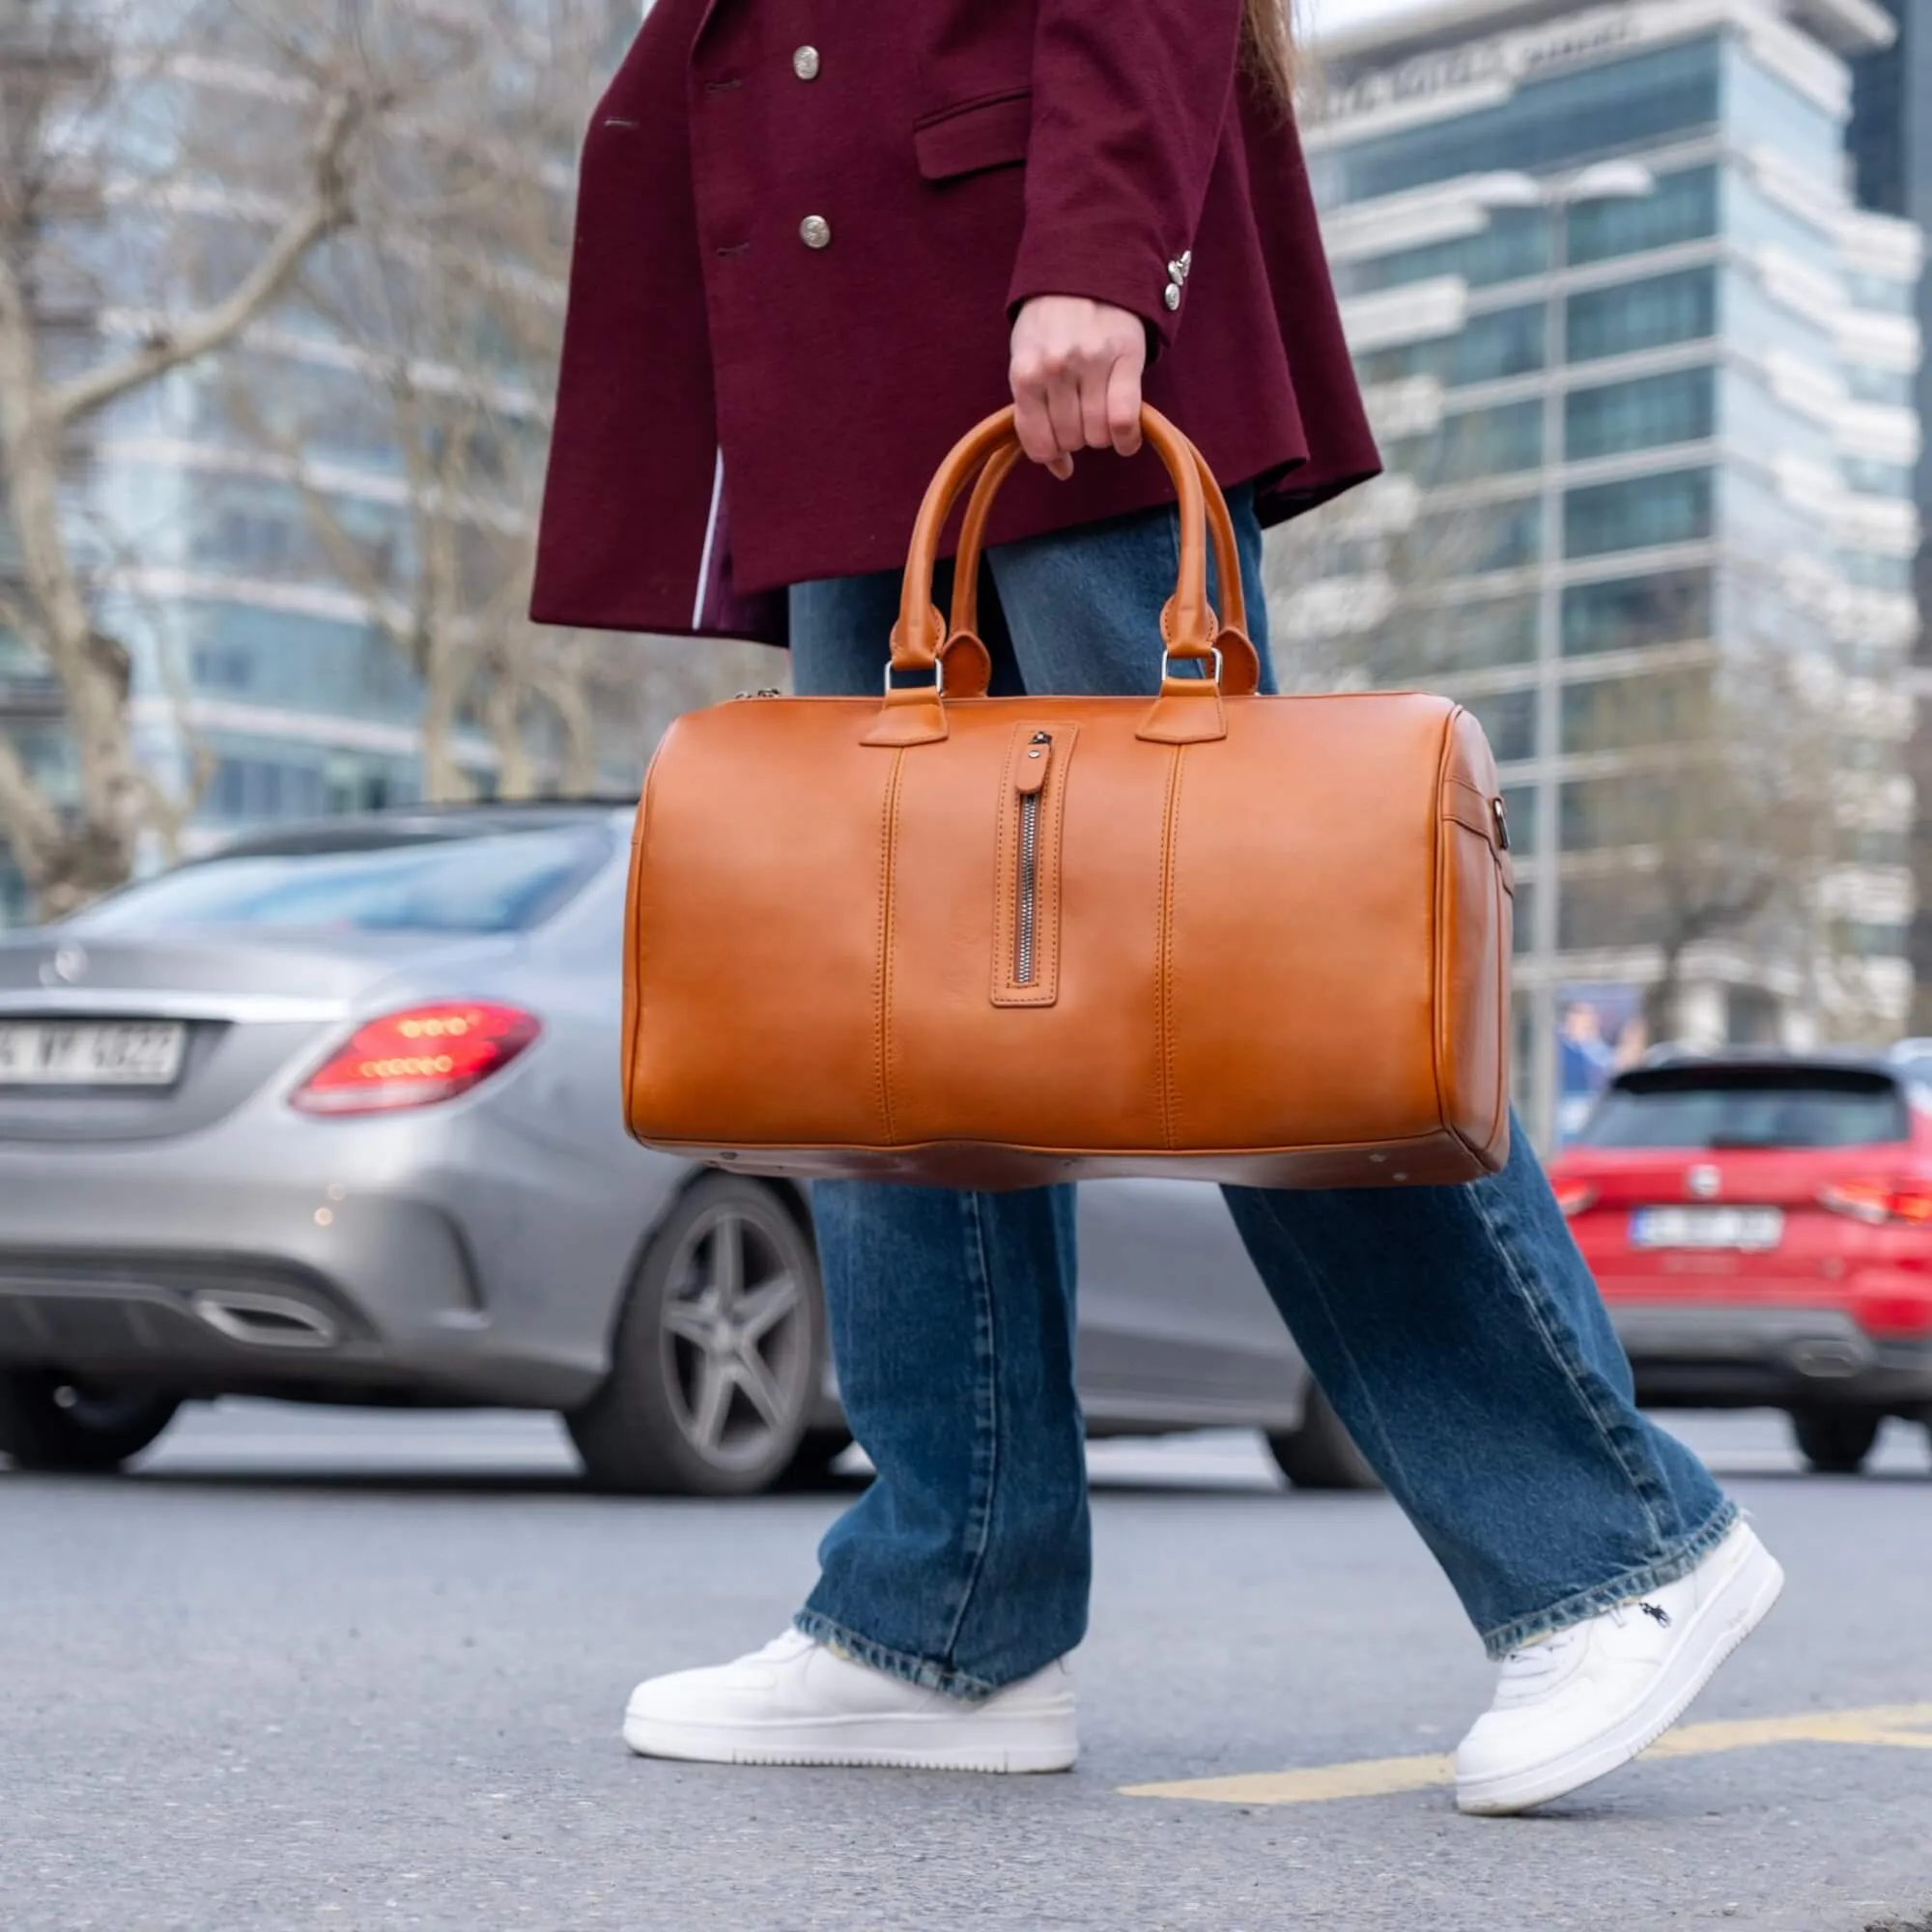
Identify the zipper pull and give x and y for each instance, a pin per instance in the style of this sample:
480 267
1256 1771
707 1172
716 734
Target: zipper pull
1033 767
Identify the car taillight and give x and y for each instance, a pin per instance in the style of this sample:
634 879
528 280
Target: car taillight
1876 1200
1573 1196
417 1057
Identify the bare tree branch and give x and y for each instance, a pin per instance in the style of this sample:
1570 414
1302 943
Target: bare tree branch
328 209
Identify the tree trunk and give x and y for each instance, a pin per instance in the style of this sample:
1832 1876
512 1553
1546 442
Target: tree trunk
503 708
444 781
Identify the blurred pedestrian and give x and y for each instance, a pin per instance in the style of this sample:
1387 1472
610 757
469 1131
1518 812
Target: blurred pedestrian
815 246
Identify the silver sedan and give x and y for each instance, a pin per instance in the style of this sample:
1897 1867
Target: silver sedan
332 1115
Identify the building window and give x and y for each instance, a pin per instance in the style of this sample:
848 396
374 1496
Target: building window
1879 385
1515 243
1648 414
1489 348
1422 643
1877 848
1480 443
1508 719
1682 207
1548 123
251 789
1872 479
1872 572
1637 514
1621 714
1633 613
222 669
1632 316
1870 939
1606 915
1880 292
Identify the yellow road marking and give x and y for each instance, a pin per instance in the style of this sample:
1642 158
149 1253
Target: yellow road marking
1905 1725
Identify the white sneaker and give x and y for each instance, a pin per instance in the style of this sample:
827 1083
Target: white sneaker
799 1701
1590 1698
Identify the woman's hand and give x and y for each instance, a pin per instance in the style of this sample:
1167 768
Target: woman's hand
1076 378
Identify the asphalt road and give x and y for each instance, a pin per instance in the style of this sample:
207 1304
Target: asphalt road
316 1669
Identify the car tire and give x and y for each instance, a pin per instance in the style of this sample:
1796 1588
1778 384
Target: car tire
56 1423
1835 1441
717 1354
1322 1454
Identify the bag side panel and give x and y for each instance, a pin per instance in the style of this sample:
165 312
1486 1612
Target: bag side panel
1301 991
1474 906
756 921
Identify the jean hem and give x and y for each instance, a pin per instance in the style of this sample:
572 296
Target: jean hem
1683 1558
899 1663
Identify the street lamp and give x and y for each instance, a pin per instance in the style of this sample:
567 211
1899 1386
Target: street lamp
1605 181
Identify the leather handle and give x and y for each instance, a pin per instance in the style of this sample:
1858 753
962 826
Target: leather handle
965 619
1188 625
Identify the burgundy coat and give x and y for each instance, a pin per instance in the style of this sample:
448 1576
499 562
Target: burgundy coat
741 410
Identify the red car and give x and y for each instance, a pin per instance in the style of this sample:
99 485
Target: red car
1761 1229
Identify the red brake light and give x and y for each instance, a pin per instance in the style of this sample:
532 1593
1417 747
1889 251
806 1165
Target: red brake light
1876 1200
1573 1196
417 1057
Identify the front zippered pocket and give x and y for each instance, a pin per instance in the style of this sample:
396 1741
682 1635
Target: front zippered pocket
1026 956
1032 778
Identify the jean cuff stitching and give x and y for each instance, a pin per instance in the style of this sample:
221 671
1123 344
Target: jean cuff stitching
1631 1584
899 1663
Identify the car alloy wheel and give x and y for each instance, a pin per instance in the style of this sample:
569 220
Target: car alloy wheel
736 1342
717 1354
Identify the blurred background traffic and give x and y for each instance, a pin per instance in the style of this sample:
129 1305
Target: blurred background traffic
310 843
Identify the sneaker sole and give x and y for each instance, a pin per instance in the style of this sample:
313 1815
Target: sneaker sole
1718 1629
874 1742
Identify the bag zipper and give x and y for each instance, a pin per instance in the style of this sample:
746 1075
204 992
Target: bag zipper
1025 919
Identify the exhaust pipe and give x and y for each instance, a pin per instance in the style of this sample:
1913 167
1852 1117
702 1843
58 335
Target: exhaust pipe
1829 1361
266 1321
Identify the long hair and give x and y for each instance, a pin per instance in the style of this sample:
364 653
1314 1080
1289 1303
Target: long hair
1267 48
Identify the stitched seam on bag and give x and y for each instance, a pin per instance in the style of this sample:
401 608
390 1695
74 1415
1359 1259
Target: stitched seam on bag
1438 964
1164 954
883 1010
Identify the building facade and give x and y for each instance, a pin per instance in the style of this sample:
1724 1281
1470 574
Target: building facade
263 682
1892 173
1645 377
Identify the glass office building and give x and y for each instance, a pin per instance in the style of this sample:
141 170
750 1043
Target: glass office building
1644 376
1891 161
259 669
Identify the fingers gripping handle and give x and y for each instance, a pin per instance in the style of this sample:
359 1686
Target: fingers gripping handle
966 673
1189 624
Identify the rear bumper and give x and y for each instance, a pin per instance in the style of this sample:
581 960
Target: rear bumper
1715 1355
380 1259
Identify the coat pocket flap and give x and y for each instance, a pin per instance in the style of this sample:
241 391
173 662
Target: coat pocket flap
988 133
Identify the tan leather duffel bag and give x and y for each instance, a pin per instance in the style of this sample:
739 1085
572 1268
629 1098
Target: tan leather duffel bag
997 942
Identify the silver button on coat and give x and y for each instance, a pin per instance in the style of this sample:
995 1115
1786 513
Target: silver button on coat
1173 295
815 231
804 63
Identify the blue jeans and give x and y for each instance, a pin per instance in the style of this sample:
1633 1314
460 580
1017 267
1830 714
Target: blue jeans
1455 1330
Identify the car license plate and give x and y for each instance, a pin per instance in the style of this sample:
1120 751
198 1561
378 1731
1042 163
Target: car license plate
1751 1229
90 1053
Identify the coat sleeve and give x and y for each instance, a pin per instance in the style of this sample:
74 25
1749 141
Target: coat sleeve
1129 99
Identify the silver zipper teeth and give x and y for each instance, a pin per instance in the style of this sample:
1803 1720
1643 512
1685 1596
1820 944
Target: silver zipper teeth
1029 883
